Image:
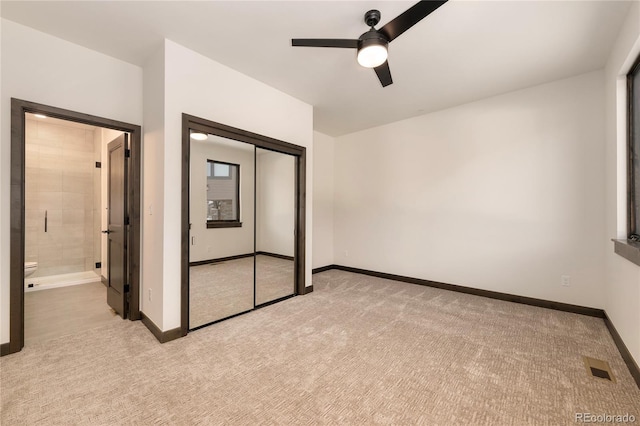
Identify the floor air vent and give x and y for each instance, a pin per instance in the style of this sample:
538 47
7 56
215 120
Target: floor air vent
598 368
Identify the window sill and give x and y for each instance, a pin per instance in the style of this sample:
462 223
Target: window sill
211 225
628 249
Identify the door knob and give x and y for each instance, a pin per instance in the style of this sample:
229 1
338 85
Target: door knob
106 232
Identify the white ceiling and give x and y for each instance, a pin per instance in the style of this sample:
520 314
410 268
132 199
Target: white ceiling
464 51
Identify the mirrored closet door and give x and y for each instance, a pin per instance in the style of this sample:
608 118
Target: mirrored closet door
222 228
275 225
243 223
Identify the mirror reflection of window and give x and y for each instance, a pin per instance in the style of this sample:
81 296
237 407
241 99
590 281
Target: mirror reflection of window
223 192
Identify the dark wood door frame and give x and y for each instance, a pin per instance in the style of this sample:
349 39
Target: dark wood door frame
17 215
190 122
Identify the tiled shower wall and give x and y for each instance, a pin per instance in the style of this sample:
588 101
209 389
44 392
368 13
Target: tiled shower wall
62 180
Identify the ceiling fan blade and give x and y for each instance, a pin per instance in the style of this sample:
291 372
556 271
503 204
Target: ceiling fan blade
384 74
329 42
409 18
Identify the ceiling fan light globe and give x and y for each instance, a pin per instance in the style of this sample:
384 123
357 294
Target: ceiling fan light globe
372 56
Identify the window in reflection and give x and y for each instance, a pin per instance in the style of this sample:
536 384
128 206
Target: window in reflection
223 192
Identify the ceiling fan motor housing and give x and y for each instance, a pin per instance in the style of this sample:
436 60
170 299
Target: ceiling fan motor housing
372 37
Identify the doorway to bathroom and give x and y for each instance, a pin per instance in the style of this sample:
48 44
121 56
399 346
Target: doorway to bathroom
75 222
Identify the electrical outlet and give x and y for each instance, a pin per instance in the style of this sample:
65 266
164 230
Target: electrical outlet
149 295
565 280
346 253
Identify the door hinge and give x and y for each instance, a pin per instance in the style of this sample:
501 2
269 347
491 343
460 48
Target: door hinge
127 153
126 220
126 288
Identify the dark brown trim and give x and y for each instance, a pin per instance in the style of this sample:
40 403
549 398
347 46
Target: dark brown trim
308 289
17 224
255 224
219 320
134 204
5 349
624 351
633 203
185 226
279 256
541 303
323 268
630 250
202 125
229 132
220 259
17 221
223 224
301 222
631 217
162 336
272 302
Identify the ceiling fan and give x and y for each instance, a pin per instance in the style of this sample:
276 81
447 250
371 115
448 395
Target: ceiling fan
372 45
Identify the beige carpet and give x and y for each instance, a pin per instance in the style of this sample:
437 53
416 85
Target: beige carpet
61 311
358 350
220 290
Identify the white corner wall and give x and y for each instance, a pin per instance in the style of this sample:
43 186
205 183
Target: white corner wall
40 68
197 85
622 278
323 191
151 285
504 194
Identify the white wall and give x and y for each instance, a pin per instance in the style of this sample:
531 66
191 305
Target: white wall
40 68
323 190
275 198
215 243
503 194
151 291
622 278
204 88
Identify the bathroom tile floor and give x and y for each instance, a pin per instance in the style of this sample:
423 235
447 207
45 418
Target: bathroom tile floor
63 311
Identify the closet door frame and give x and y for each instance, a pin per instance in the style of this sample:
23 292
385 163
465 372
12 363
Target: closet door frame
189 123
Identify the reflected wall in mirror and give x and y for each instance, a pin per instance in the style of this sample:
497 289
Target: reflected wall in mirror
221 235
275 225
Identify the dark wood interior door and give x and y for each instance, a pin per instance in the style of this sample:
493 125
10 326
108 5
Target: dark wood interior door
117 285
